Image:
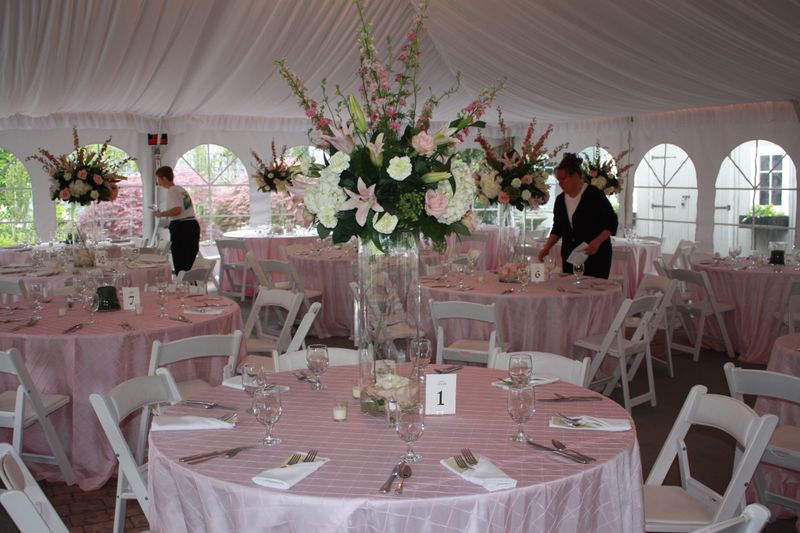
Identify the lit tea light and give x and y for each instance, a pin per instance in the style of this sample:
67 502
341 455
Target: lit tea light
340 411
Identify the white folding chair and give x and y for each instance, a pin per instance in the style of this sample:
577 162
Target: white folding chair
628 350
293 283
24 500
297 360
209 262
111 409
664 317
22 408
263 274
299 339
699 303
232 271
752 520
624 259
681 258
196 276
13 288
660 266
789 315
273 330
468 350
692 504
783 449
167 353
550 364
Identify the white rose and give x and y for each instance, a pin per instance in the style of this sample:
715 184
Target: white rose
327 217
399 168
384 224
600 182
489 184
95 195
340 161
311 199
516 182
526 195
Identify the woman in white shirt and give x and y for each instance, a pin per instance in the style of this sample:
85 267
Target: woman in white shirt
184 230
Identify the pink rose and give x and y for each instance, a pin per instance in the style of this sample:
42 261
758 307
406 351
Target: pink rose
63 194
526 179
423 143
435 203
593 173
98 179
503 197
470 220
82 174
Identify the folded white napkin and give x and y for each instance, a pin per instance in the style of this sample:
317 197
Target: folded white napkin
204 311
181 423
234 382
535 381
285 477
484 474
592 423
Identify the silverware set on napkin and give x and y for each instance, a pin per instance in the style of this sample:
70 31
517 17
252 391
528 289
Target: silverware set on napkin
208 405
449 369
465 461
310 457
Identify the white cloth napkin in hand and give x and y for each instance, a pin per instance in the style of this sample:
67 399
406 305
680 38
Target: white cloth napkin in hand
592 424
180 423
286 477
485 474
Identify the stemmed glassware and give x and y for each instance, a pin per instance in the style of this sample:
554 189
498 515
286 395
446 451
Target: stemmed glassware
734 252
36 294
578 271
268 409
182 290
162 300
90 303
317 361
521 406
250 373
525 274
419 349
410 425
520 369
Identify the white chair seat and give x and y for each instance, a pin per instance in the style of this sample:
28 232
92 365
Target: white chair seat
51 402
786 438
471 345
192 387
594 342
661 503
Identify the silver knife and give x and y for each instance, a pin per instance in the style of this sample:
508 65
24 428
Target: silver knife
386 487
562 453
573 399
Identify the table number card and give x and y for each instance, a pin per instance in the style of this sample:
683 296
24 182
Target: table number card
440 394
538 272
131 299
100 258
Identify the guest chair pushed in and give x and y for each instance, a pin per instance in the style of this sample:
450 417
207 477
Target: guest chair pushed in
296 360
232 267
664 318
691 505
550 364
466 350
21 408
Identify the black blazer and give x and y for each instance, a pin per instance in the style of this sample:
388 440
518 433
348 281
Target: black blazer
593 215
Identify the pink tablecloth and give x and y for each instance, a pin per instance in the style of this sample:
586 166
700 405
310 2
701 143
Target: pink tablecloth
552 494
785 358
549 317
15 255
95 359
757 294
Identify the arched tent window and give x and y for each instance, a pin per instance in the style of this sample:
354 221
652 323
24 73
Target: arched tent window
16 201
756 193
120 219
665 196
217 182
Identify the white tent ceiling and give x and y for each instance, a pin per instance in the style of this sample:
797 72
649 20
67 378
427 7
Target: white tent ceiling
128 63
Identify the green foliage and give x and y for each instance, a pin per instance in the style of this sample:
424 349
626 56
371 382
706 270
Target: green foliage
767 210
16 201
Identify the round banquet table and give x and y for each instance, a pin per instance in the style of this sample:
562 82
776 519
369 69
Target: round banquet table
15 255
552 494
757 294
549 317
784 358
95 359
499 243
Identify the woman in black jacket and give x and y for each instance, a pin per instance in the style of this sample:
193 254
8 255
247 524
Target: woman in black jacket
582 213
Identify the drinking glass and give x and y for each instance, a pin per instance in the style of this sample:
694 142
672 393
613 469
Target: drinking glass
268 409
36 294
182 290
162 300
317 361
250 373
521 406
525 276
755 258
410 425
578 271
550 263
520 368
734 251
419 350
90 303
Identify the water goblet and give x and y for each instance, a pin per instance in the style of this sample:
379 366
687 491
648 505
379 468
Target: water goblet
420 352
162 300
36 294
91 303
550 263
410 425
268 409
521 406
754 256
182 291
520 369
250 384
578 271
317 361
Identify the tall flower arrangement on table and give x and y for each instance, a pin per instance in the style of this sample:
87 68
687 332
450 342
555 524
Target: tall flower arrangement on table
274 175
83 176
605 175
390 172
516 177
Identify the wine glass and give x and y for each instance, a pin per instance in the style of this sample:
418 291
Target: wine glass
36 294
734 251
317 361
520 368
410 425
162 300
550 263
521 406
250 384
419 350
268 409
578 271
90 303
182 290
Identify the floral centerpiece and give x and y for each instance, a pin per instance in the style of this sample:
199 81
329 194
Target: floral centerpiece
390 387
274 175
83 176
389 173
605 175
516 178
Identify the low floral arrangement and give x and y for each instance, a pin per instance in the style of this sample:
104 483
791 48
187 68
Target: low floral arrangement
389 173
275 175
516 178
510 271
83 176
604 174
402 389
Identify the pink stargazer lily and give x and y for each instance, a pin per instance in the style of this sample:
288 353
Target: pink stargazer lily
362 202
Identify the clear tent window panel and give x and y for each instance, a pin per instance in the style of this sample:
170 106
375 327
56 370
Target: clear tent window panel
16 201
756 191
665 195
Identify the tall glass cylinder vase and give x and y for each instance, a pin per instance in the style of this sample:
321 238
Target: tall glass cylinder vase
389 307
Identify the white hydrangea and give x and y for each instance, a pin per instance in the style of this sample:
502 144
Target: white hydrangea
399 168
490 185
304 163
324 198
516 183
78 188
327 216
460 200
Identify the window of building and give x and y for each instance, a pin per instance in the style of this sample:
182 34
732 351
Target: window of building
16 201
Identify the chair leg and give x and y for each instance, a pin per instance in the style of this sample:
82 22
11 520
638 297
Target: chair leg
648 362
626 393
725 338
121 506
698 341
57 448
668 349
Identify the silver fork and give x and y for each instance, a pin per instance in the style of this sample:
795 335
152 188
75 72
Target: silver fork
293 460
310 456
468 457
230 417
28 324
461 463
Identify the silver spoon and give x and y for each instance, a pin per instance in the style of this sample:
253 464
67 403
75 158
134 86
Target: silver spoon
405 472
563 447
